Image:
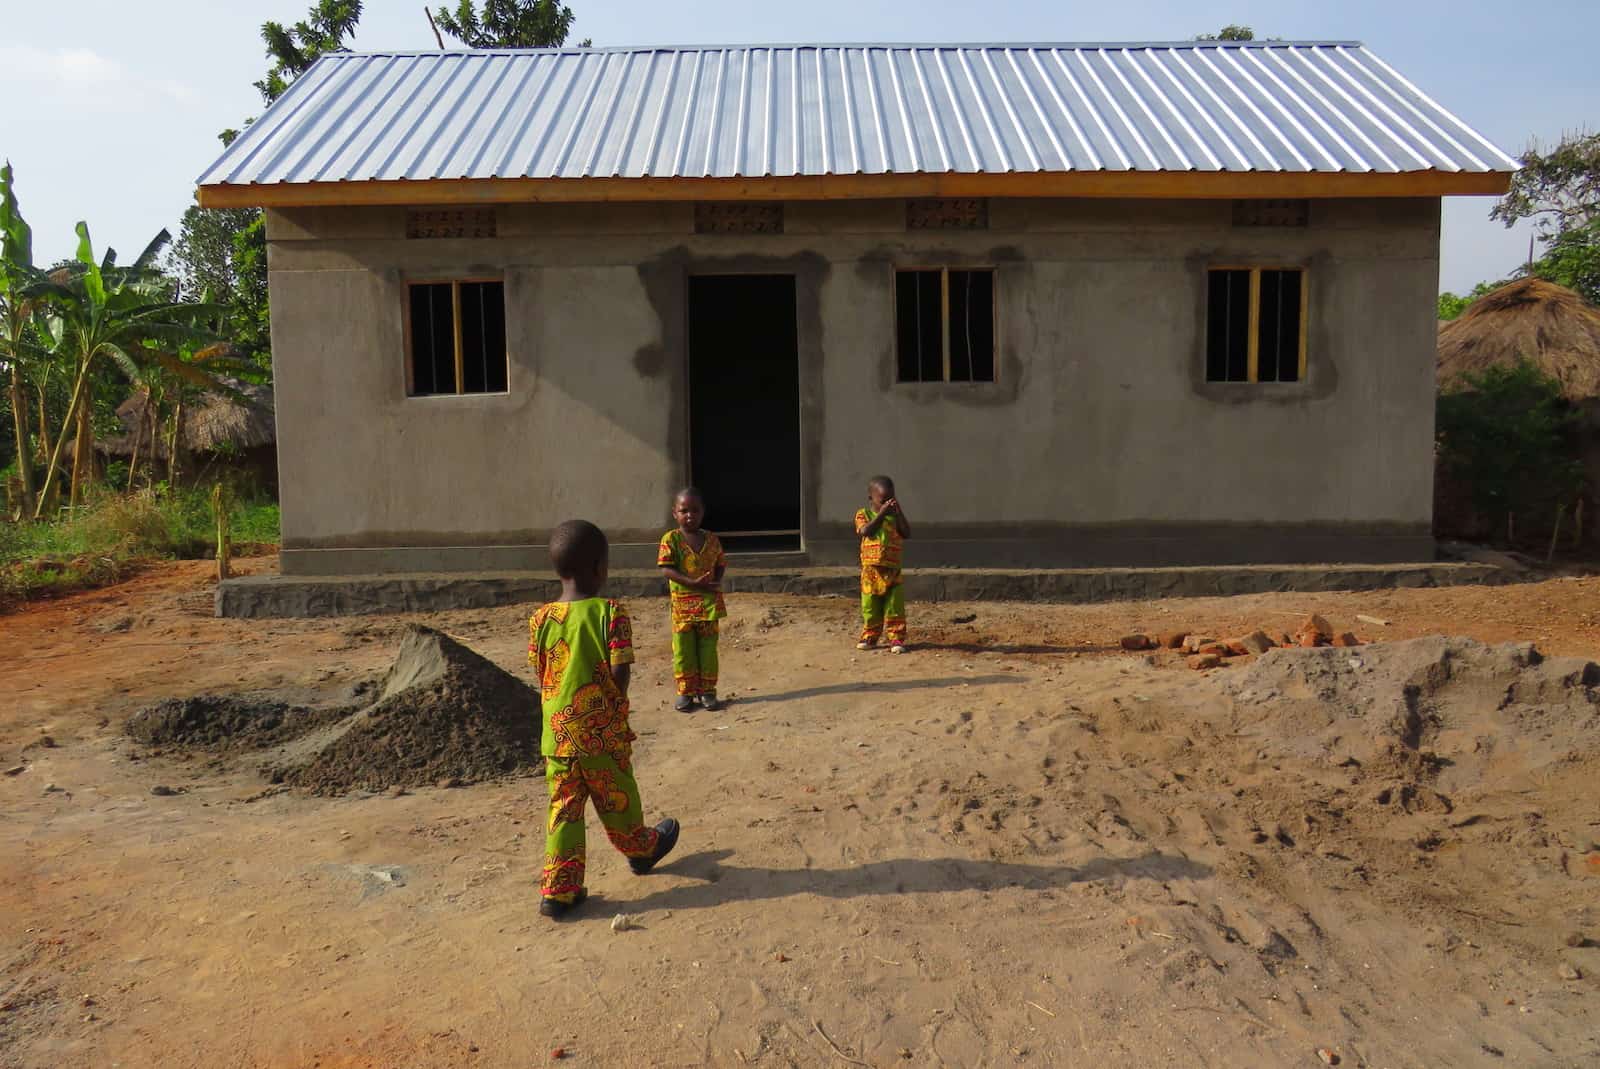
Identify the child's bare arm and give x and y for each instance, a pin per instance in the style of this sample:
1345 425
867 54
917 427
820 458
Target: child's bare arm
901 524
870 527
623 674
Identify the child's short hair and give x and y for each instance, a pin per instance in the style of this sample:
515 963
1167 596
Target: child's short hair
882 482
577 547
689 491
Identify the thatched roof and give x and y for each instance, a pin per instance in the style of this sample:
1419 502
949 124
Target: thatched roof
216 422
1549 325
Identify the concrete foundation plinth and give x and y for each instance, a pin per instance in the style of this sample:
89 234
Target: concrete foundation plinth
353 595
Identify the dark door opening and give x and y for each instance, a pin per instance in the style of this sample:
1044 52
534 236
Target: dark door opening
744 408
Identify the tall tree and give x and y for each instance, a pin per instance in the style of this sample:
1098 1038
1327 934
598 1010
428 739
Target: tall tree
220 257
102 311
507 23
221 253
1559 191
293 49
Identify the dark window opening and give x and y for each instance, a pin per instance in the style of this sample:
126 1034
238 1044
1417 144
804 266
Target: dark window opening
944 326
458 338
1279 329
1255 325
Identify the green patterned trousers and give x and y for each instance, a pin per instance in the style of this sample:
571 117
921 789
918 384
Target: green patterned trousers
573 783
694 657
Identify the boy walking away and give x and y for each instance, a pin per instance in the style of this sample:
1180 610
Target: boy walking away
692 560
882 527
582 649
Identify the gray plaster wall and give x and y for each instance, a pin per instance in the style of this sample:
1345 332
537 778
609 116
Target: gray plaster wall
1099 443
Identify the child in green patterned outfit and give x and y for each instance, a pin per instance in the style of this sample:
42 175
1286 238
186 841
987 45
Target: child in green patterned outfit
691 558
582 648
882 526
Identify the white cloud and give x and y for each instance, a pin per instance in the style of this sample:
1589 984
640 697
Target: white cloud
86 73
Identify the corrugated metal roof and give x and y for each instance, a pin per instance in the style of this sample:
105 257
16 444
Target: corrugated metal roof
749 112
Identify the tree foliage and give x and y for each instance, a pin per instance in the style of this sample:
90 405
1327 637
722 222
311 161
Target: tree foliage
1451 305
508 23
1508 435
220 258
1559 192
1229 32
293 49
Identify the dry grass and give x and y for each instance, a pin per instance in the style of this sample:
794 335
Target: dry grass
1530 319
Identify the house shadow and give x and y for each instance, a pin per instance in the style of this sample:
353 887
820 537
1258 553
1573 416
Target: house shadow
721 883
874 686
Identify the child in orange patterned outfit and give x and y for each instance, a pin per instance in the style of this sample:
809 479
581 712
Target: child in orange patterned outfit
582 648
692 560
882 527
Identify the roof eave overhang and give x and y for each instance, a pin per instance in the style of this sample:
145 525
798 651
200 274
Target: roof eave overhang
1167 185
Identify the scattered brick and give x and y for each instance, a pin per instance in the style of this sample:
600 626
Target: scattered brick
1257 642
1171 640
1346 639
1202 661
1135 642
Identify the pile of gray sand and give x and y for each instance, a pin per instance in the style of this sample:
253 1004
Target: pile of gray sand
221 724
1475 709
444 714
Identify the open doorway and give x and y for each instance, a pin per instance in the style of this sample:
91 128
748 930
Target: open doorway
744 408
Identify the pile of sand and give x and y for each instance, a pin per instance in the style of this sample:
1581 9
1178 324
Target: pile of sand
443 714
225 723
1468 707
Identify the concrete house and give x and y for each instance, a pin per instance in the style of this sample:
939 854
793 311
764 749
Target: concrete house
1088 304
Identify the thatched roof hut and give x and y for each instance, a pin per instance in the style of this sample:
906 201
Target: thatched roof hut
1548 325
215 423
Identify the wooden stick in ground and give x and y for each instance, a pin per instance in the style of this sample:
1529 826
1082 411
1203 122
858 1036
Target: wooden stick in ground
1561 510
853 1061
219 508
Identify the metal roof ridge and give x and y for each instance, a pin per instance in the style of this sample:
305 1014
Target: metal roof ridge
906 46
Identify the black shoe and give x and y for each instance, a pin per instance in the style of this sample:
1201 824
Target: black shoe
684 704
709 702
667 838
555 910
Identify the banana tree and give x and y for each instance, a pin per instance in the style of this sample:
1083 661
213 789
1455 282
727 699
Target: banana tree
21 288
101 311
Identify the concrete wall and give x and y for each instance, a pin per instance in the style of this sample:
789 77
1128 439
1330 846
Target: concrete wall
1100 441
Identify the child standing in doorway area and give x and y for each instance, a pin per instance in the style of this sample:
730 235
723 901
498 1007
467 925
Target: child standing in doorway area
692 560
582 648
882 527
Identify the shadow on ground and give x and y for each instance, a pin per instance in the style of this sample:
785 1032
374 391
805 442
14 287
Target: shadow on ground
721 883
875 687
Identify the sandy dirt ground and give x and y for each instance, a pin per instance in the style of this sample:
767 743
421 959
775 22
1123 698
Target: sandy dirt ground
1017 845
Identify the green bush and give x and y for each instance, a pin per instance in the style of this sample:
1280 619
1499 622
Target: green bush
104 540
1509 439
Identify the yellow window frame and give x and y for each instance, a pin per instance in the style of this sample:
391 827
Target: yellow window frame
1254 340
455 285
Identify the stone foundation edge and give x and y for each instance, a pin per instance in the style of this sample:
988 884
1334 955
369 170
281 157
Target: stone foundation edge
293 597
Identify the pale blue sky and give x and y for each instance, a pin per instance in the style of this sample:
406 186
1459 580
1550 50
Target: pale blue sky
109 119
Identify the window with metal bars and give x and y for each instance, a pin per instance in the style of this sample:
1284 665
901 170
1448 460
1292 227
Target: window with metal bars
944 325
456 338
1256 324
